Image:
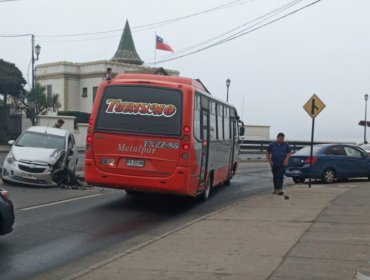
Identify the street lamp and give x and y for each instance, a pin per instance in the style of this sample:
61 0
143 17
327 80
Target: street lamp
228 82
35 50
366 96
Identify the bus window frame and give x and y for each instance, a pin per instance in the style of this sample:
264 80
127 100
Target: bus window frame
116 131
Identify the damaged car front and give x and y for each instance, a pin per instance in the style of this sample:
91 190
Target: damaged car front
35 159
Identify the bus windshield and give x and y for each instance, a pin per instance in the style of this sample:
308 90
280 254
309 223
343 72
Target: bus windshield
140 109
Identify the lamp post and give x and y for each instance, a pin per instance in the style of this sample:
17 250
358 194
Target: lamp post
228 82
366 96
35 50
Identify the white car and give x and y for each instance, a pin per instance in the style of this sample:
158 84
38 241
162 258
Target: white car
36 155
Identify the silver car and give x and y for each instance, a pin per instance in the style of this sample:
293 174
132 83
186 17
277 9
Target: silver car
36 155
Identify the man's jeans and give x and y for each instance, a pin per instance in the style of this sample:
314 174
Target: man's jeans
278 172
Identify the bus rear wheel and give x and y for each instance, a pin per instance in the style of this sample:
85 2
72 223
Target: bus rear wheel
207 191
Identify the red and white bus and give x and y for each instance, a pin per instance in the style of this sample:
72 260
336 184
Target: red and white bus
165 134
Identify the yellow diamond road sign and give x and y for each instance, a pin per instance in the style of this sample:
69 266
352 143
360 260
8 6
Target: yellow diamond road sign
314 106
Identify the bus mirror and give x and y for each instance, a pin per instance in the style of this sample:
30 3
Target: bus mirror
241 130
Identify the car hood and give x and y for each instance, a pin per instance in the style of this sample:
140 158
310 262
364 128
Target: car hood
37 155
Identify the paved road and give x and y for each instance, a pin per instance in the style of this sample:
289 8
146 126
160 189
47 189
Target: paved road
70 229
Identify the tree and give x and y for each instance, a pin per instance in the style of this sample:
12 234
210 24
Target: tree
11 80
11 83
36 102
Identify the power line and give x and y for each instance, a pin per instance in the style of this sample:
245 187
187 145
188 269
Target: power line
259 20
234 36
150 25
161 23
14 35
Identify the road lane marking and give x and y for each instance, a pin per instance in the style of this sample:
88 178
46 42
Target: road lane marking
57 202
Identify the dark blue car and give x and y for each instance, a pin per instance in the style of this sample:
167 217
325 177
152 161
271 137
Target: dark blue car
6 213
329 162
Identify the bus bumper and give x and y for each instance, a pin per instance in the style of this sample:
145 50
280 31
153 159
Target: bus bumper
180 182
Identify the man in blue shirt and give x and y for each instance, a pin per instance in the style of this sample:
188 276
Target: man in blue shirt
278 154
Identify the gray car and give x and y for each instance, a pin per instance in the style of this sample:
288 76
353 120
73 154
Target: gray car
36 155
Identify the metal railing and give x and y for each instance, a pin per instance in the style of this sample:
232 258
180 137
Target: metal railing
260 146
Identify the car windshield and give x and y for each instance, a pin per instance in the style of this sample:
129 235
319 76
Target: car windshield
41 140
306 151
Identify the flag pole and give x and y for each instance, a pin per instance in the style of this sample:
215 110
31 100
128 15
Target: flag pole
155 50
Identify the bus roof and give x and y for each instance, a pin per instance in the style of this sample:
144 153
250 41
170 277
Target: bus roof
172 79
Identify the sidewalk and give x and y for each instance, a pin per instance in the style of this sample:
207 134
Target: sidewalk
319 233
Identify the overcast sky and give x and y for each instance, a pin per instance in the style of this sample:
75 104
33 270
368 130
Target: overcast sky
322 49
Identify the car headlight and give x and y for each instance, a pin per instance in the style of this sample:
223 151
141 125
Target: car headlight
10 158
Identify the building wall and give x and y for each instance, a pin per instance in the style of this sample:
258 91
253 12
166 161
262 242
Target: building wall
89 84
68 80
71 97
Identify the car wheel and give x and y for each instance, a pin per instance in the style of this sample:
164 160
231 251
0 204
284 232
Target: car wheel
298 180
205 194
4 180
328 176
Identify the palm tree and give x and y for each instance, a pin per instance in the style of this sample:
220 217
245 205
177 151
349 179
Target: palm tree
36 102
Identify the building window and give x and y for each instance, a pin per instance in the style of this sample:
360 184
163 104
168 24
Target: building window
84 92
49 91
95 90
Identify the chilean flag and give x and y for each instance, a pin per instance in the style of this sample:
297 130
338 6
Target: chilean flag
162 45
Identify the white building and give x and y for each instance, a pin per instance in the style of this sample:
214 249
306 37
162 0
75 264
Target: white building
77 83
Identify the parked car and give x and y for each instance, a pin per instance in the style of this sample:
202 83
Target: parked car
36 155
6 213
366 147
329 162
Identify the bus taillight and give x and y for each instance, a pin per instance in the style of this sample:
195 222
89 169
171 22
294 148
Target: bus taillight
88 153
185 147
186 129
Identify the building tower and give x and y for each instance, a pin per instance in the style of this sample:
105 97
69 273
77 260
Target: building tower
126 52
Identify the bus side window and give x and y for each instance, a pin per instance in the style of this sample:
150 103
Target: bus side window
212 121
197 127
197 120
226 124
220 128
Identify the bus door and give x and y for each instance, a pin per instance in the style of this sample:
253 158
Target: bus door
234 138
205 145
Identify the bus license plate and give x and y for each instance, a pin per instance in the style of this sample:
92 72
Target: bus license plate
135 162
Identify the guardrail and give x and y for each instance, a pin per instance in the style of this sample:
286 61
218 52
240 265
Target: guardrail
260 146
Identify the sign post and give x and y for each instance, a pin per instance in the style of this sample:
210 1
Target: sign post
313 107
